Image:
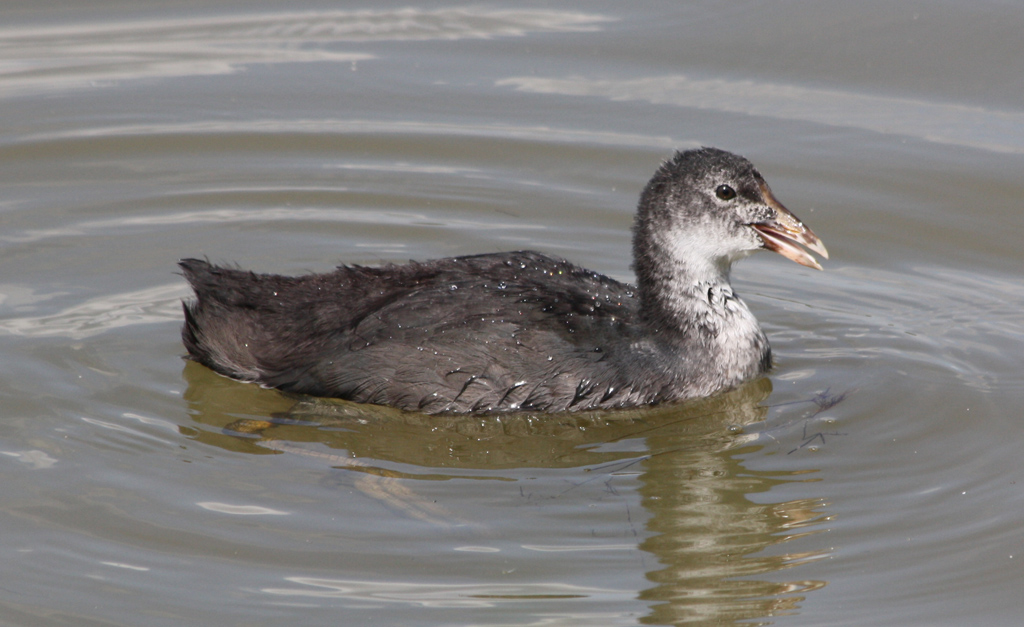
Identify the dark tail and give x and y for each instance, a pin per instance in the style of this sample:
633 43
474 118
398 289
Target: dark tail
219 326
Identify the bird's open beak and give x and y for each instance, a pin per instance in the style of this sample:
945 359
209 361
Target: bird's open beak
786 231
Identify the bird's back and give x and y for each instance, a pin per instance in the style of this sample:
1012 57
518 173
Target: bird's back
508 331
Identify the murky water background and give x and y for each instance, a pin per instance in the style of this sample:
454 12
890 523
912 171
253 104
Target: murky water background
874 478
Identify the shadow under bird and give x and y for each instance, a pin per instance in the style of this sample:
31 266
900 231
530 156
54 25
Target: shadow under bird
518 331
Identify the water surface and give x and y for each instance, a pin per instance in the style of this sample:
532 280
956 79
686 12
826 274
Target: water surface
873 478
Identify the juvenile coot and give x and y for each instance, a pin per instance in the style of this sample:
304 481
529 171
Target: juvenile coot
518 331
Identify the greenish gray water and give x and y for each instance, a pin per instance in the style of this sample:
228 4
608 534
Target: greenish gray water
873 478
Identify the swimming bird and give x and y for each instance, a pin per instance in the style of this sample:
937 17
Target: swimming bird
518 331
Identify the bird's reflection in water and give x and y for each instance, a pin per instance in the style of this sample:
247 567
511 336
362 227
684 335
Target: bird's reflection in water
710 532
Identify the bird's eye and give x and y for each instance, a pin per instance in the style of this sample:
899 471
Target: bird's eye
724 192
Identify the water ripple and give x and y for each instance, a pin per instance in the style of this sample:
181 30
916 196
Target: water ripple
440 595
76 56
326 126
99 315
943 123
964 323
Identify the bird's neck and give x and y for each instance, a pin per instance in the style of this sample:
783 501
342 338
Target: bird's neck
680 281
687 301
684 299
697 317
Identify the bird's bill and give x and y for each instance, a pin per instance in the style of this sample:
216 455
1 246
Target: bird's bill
786 234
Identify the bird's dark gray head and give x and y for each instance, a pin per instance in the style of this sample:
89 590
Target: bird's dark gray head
705 209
